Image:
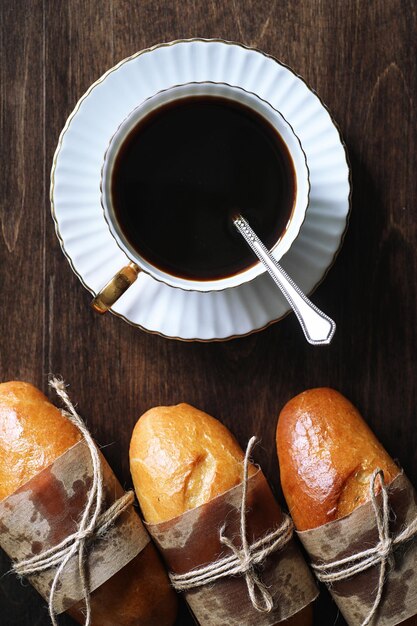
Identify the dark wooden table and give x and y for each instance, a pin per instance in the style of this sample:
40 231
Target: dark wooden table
361 59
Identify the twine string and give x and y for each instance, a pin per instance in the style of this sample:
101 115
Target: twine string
93 523
381 554
242 561
53 557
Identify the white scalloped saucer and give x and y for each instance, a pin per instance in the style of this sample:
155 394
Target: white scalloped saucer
75 188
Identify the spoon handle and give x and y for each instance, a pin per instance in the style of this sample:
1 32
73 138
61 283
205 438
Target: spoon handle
318 328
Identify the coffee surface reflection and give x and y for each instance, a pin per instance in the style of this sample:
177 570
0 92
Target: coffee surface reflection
184 170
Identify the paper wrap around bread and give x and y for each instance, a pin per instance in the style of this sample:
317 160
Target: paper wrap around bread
327 457
45 475
187 470
45 510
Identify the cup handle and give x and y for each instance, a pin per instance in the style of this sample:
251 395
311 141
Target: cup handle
115 288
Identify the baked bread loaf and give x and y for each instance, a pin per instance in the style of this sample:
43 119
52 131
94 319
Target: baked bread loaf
327 455
33 433
181 458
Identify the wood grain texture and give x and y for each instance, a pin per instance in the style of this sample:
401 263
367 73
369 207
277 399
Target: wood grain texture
360 58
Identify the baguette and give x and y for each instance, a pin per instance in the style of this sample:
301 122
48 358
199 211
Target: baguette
327 455
181 458
33 433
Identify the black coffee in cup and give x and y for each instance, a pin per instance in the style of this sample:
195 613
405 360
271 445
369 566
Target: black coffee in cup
185 170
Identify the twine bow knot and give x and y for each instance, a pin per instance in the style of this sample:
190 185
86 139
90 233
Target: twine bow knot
85 534
381 554
253 582
93 523
242 561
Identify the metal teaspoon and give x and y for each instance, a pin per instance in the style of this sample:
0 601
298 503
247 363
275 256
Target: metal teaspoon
318 328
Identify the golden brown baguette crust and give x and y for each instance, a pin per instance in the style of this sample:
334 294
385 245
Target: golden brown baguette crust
180 458
33 433
327 454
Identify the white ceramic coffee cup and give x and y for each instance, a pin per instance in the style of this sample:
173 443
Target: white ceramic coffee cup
123 279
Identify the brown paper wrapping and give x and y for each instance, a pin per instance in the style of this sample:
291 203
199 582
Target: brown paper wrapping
46 510
192 540
358 531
